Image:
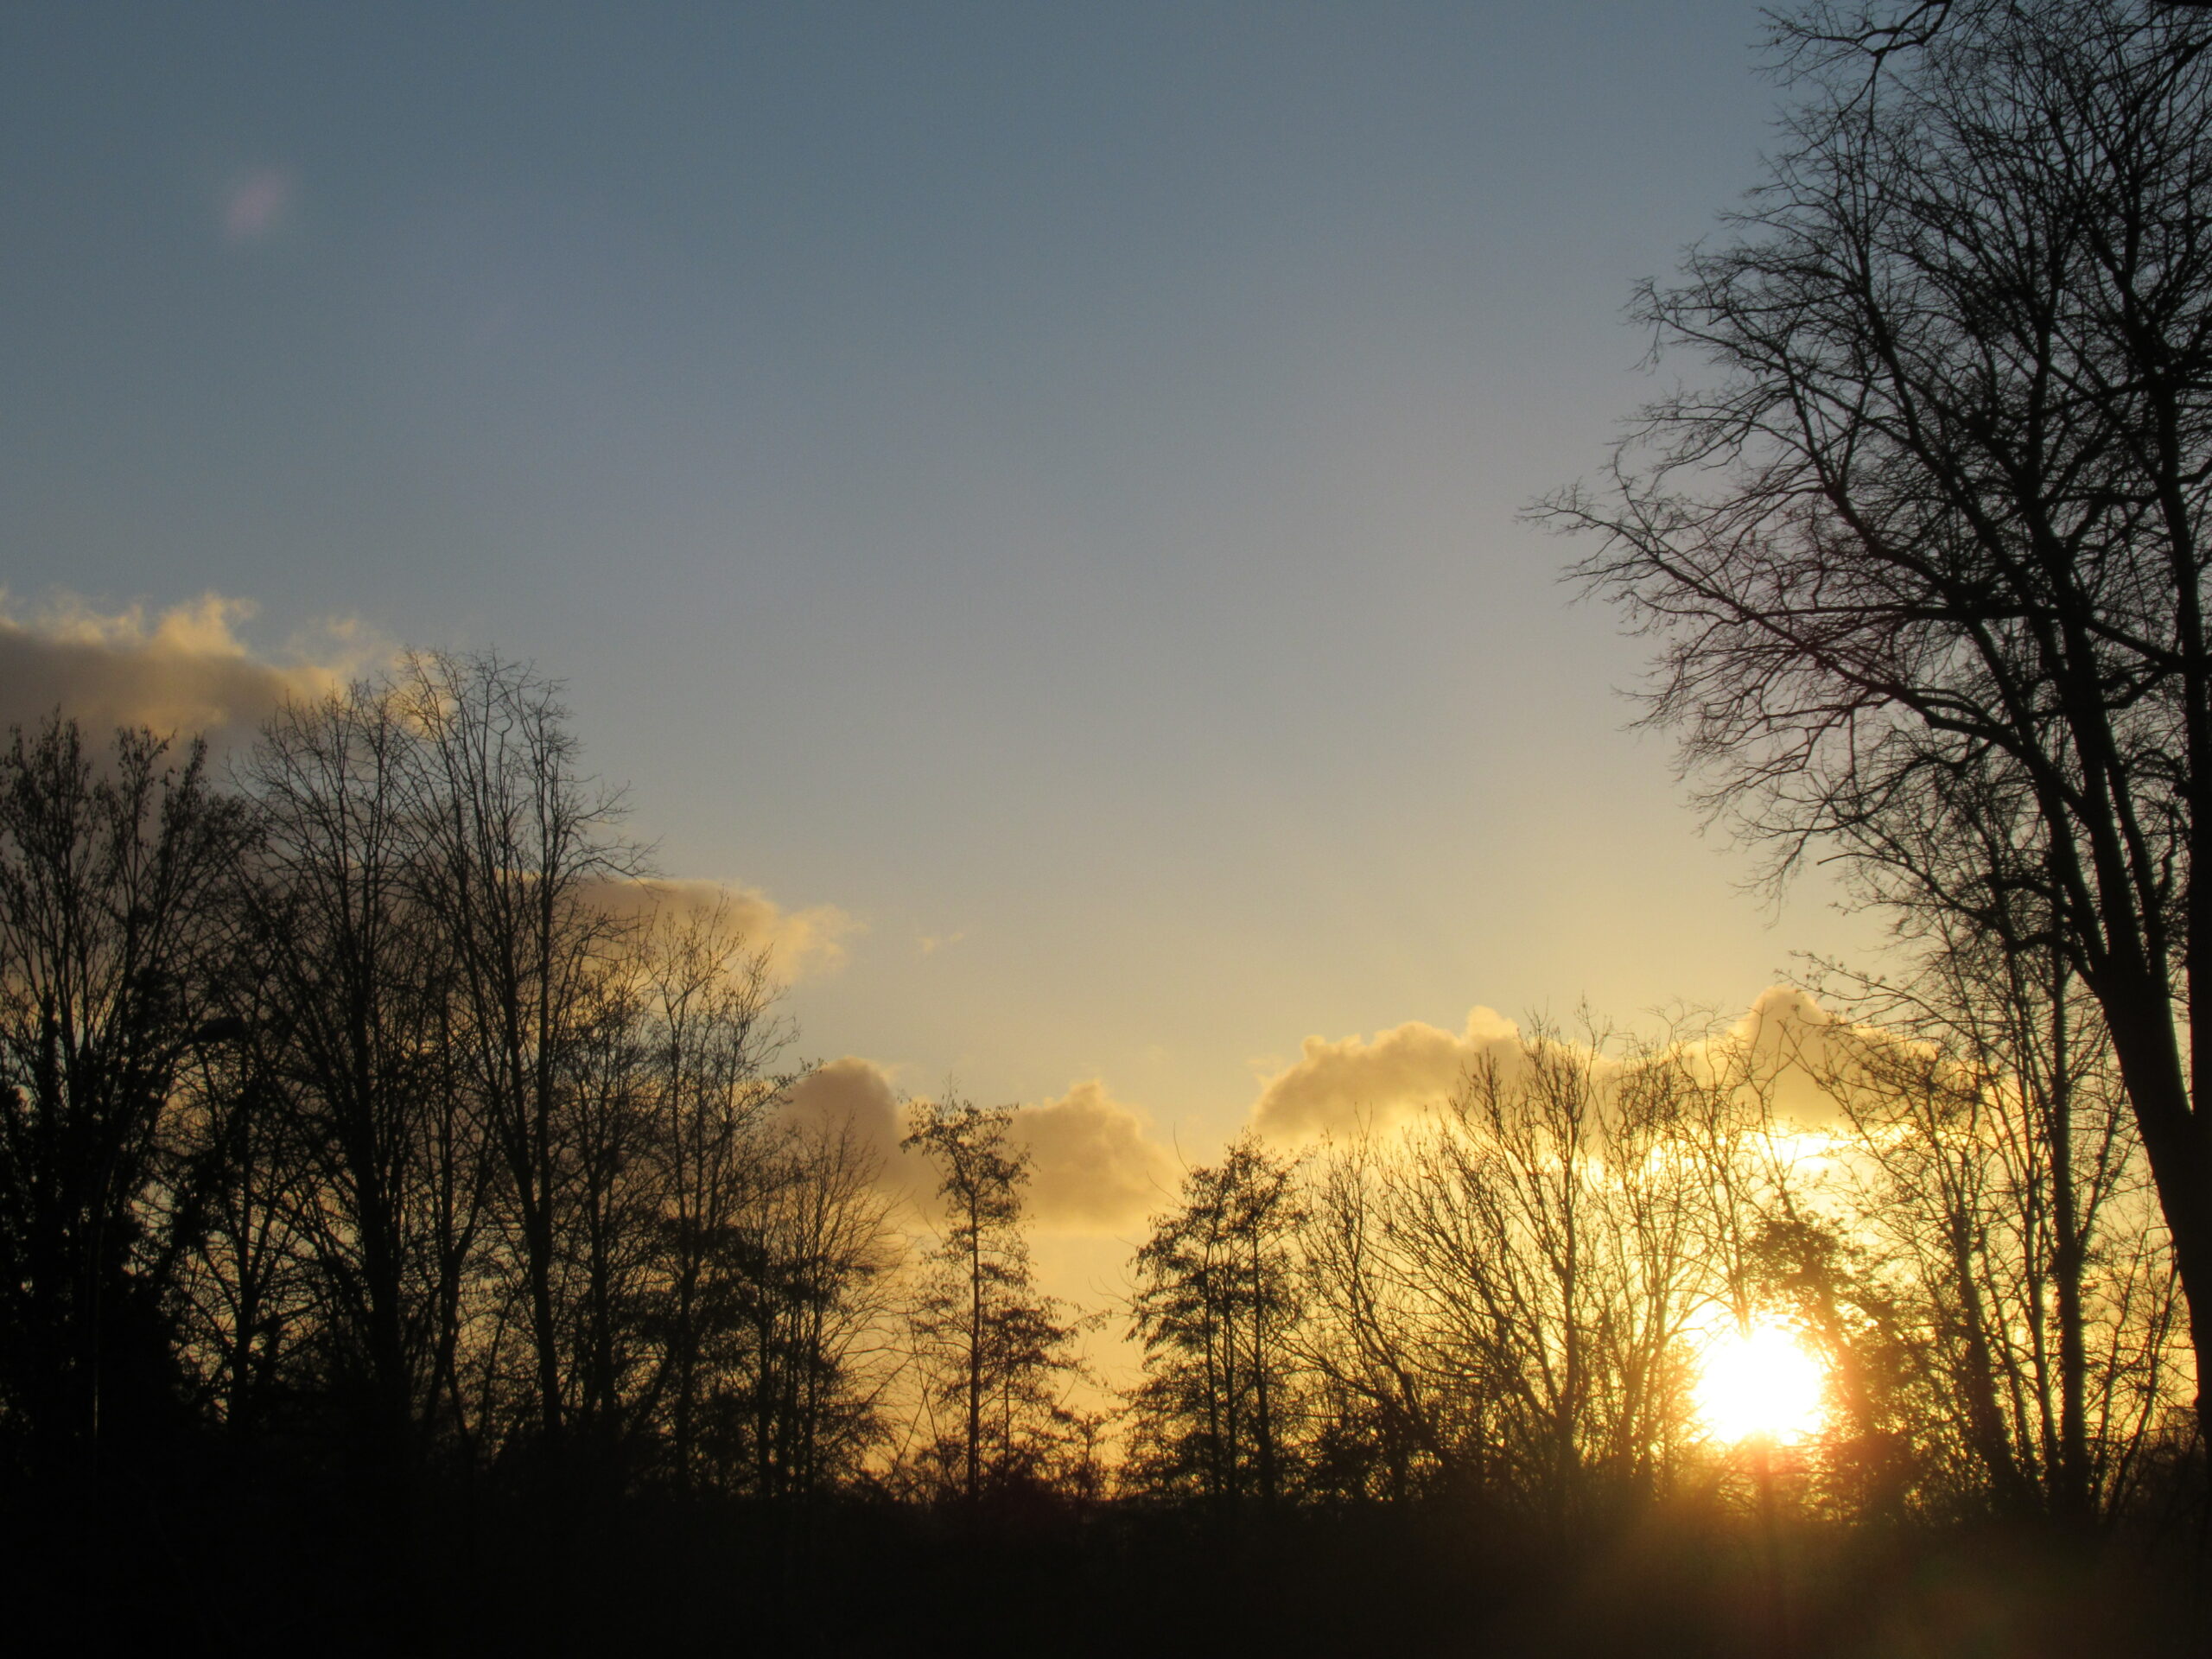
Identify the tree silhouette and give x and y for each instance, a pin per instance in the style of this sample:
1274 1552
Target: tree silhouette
1943 515
110 872
348 981
514 833
1217 1303
995 1346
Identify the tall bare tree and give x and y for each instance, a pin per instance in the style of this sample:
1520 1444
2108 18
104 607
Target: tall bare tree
1998 1184
714 1037
111 867
515 837
1217 1300
350 1019
994 1346
1945 509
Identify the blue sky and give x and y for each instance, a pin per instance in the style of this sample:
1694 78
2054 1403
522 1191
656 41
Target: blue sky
1040 480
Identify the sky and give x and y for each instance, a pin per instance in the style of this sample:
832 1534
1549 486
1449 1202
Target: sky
1028 495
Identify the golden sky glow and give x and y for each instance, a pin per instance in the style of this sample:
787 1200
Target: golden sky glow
1052 570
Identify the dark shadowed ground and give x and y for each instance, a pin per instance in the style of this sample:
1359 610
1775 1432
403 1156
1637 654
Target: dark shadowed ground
244 1560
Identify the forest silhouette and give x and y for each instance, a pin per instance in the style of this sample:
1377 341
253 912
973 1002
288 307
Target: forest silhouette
407 1243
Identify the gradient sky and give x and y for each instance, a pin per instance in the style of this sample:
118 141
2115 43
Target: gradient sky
1038 479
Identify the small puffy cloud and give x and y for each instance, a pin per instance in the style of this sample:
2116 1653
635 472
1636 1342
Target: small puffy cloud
1793 1042
1785 1046
186 669
1094 1166
801 944
1337 1086
1812 1062
852 1094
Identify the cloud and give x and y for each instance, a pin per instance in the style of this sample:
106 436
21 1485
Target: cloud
802 943
1782 1047
1094 1166
1094 1163
852 1094
185 669
1793 1042
1337 1086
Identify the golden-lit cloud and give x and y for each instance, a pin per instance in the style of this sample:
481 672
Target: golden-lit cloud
186 669
801 944
1787 1048
1792 1043
1094 1165
1095 1168
854 1096
1335 1087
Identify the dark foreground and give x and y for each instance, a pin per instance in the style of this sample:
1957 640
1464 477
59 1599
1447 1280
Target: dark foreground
239 1563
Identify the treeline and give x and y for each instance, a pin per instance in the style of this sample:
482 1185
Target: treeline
373 1132
1508 1301
366 1101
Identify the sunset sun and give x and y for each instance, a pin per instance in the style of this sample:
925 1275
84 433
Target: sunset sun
1759 1384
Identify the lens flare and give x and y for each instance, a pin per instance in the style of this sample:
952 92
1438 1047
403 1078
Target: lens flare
1759 1384
256 206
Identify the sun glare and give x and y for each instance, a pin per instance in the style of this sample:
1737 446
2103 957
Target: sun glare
1759 1384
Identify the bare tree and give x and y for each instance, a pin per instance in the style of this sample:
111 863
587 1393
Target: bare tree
811 1265
1391 1425
1217 1299
1944 510
995 1346
351 1022
1507 1287
515 835
110 871
712 1037
246 1290
1999 1182
1516 1234
612 1233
